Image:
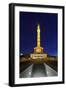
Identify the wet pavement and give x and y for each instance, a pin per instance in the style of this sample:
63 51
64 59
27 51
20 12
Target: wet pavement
38 70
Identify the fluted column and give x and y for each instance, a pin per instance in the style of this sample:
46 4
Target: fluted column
38 35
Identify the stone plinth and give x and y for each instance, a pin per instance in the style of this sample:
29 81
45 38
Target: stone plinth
38 56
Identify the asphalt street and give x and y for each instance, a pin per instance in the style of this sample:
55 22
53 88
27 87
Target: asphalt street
38 70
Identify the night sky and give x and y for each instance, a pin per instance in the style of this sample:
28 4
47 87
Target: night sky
28 31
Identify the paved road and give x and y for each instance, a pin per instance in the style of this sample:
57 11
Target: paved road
38 70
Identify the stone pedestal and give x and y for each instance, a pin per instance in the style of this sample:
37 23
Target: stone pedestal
38 56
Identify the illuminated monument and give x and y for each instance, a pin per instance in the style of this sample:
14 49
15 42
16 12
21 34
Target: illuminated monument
38 50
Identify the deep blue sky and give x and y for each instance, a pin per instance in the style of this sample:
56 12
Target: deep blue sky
28 28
